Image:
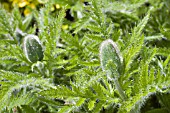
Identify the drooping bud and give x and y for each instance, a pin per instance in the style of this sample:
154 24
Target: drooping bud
33 48
111 63
110 58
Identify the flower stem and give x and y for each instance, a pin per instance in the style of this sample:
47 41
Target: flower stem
120 90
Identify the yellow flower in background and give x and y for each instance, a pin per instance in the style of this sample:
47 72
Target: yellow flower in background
64 27
32 6
27 12
21 3
52 8
28 5
57 6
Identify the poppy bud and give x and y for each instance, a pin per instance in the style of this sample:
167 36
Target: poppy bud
110 58
33 48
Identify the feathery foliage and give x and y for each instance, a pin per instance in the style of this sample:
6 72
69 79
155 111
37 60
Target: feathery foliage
69 71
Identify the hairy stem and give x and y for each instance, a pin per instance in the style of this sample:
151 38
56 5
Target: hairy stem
120 90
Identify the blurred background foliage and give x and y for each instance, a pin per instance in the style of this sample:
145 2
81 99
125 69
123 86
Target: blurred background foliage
123 16
27 7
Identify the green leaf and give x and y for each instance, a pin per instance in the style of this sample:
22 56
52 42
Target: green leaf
91 104
80 101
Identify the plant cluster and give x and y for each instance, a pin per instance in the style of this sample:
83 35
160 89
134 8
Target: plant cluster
114 58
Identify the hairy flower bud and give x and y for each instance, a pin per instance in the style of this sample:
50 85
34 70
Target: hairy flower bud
110 58
33 48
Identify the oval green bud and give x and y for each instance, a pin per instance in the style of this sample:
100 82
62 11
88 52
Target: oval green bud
33 48
110 58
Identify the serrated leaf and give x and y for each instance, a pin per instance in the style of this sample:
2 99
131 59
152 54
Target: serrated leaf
95 37
81 24
91 104
94 28
80 101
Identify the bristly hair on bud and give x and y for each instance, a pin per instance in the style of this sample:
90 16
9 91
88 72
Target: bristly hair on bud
110 58
33 48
